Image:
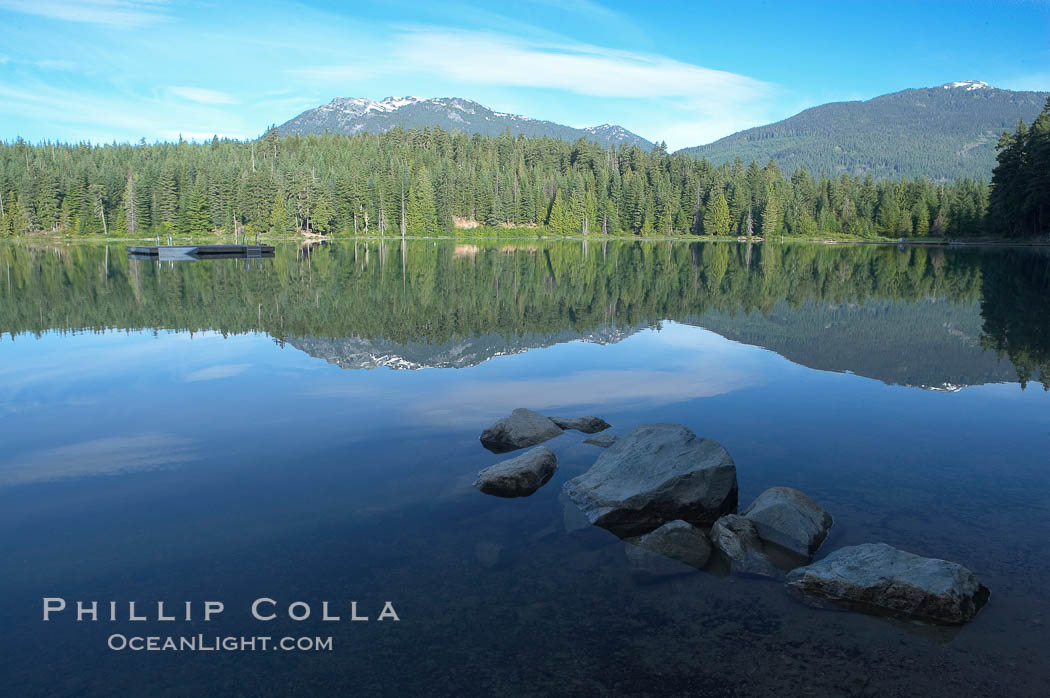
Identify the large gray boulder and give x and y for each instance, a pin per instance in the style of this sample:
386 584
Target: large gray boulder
878 578
519 476
656 474
521 429
677 540
790 519
588 425
737 539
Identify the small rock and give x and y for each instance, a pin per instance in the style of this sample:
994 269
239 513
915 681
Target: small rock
588 425
602 440
790 519
656 474
521 429
737 539
877 578
677 540
519 476
488 553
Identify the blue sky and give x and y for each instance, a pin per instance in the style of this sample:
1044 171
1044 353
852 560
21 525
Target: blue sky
687 73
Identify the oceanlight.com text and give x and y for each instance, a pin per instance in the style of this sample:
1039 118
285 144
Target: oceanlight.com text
216 643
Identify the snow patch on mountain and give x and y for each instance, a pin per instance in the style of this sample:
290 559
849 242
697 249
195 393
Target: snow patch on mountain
968 85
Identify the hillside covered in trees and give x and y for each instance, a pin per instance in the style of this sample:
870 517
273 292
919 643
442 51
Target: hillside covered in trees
944 133
424 182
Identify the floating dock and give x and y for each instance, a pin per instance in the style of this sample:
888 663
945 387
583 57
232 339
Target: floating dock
186 252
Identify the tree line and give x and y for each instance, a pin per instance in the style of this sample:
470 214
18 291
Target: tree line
434 181
1020 189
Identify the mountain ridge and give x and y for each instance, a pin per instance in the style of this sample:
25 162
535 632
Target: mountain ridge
944 132
350 115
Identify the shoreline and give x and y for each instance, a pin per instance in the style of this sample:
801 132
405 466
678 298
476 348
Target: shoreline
1039 241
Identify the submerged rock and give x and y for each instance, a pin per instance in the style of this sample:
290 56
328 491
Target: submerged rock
656 474
588 425
602 440
521 429
519 476
488 553
572 517
790 519
647 566
677 540
878 578
737 538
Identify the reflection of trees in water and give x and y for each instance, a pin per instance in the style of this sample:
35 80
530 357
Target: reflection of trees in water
436 291
1015 305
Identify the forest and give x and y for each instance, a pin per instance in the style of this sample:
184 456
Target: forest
1020 190
433 181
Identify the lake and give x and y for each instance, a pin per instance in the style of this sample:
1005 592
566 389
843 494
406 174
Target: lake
305 428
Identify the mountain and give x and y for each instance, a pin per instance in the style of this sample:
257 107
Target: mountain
931 344
943 133
464 352
351 115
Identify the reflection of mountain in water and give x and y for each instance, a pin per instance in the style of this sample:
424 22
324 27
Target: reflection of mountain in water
932 344
929 317
358 352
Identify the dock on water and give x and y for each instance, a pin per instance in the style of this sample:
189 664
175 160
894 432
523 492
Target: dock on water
186 252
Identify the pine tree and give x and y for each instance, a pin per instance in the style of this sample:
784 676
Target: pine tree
421 212
922 220
279 221
558 218
166 198
197 218
770 216
716 220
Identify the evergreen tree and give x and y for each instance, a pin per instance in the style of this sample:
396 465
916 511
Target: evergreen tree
770 216
716 220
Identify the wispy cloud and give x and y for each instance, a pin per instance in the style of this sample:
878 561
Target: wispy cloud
126 113
202 95
333 73
105 456
495 59
216 372
117 13
1036 82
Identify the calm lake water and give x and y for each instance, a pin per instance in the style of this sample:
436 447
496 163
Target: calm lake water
305 428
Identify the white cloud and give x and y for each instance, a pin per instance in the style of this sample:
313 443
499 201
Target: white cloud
494 59
105 456
202 95
119 113
477 400
332 73
1036 82
216 372
118 13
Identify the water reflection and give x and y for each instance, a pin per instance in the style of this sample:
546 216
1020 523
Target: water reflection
200 431
903 316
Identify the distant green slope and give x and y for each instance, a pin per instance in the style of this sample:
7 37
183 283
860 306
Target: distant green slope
943 133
